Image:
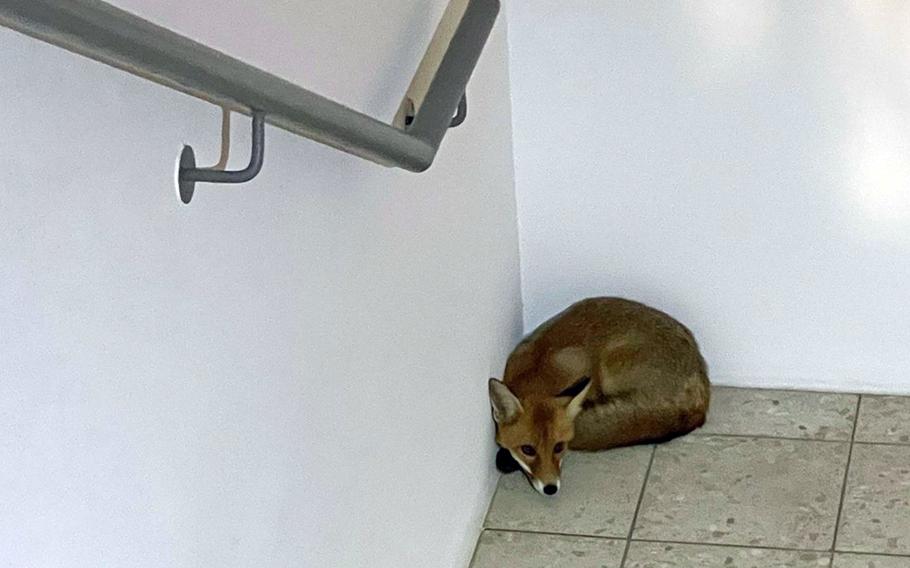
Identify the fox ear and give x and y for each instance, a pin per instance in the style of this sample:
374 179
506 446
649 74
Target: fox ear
575 395
506 406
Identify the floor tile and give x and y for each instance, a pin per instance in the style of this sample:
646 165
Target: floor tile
876 512
503 549
884 419
778 413
598 496
744 491
870 561
666 555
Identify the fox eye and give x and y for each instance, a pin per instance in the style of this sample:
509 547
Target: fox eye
559 447
528 451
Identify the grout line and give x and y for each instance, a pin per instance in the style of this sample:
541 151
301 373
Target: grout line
476 548
766 437
888 554
895 444
843 489
486 517
859 406
728 545
792 439
796 390
554 533
641 496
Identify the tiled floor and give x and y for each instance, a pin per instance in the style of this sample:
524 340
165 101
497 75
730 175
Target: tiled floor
775 479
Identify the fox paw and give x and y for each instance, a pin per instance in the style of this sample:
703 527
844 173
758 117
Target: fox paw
505 462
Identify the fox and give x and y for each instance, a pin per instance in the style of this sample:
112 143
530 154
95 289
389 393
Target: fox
604 373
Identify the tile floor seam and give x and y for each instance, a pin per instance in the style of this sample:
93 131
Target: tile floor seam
766 437
641 497
843 489
789 390
476 547
670 541
486 516
888 554
892 444
554 533
859 407
731 545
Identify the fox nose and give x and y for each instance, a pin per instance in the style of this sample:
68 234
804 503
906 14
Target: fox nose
550 489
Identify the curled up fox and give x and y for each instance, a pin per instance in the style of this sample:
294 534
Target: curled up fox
604 373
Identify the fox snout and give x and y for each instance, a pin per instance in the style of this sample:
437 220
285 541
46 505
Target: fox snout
506 462
548 489
544 475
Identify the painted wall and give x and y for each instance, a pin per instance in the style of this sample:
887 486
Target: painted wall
287 373
743 165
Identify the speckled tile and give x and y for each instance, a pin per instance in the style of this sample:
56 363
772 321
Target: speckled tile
667 555
503 549
598 496
870 561
876 512
778 413
744 491
884 419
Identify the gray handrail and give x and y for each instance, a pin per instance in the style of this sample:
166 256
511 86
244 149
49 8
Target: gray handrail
102 32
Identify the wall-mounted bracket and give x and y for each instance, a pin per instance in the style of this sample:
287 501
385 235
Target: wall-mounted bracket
460 115
188 174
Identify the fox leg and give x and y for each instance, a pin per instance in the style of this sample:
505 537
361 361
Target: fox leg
505 462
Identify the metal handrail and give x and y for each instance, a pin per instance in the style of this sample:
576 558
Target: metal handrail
102 32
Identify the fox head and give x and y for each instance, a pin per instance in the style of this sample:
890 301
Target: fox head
536 430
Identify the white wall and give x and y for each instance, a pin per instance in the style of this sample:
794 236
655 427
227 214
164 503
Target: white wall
286 373
744 165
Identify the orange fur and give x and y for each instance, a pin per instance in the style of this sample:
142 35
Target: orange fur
648 383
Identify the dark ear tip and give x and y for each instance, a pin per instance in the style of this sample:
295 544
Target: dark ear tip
575 389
